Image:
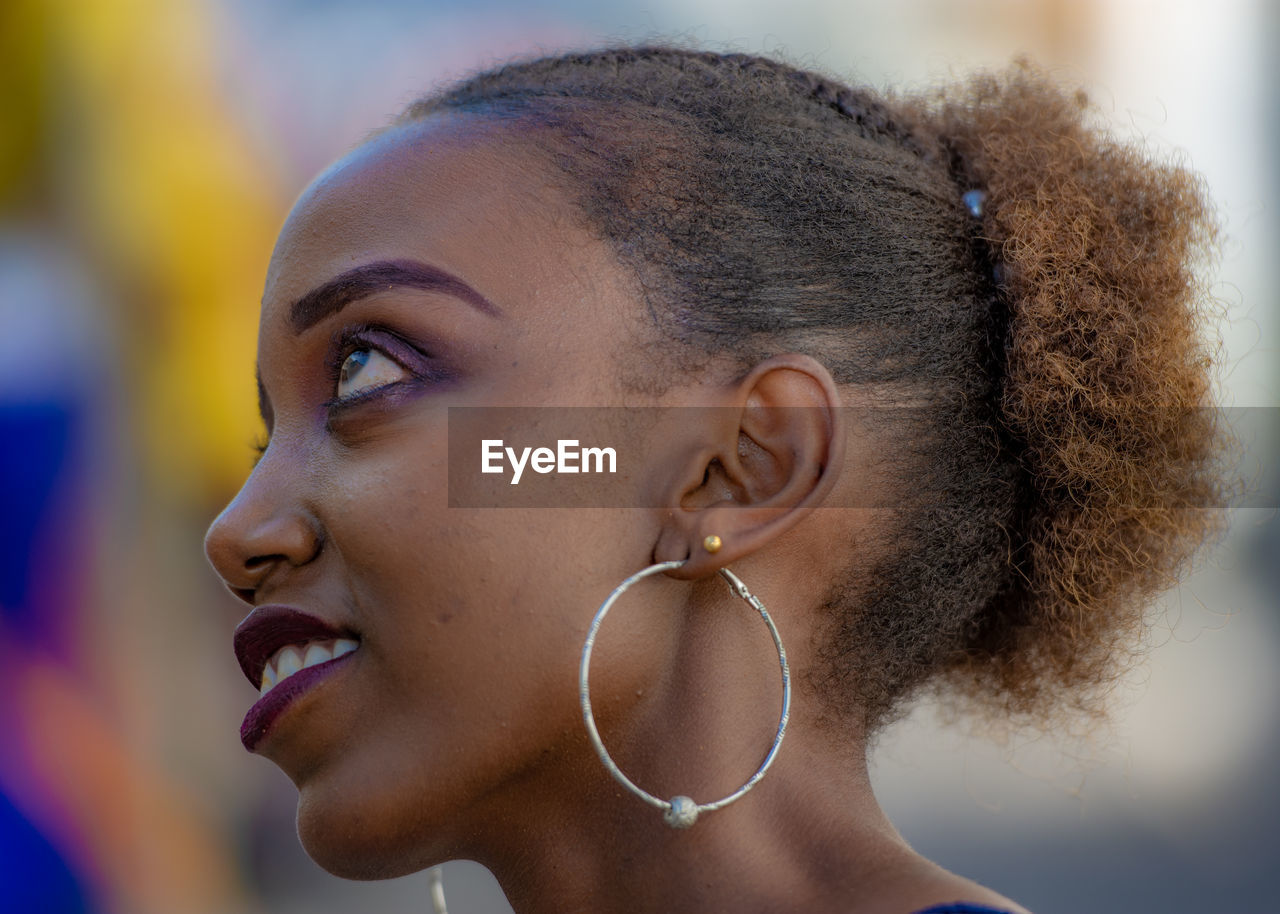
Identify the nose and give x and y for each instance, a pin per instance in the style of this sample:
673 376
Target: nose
264 530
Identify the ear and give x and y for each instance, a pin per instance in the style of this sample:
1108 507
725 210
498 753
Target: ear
755 465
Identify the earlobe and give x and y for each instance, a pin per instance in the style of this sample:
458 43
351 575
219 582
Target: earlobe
770 456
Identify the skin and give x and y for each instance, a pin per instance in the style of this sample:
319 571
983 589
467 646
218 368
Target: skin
455 729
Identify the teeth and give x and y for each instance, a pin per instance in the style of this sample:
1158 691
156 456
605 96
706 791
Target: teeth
291 659
317 653
269 678
343 646
288 662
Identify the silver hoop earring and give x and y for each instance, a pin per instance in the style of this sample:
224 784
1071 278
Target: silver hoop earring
681 811
435 885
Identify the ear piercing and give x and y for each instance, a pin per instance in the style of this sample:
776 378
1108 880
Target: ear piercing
712 543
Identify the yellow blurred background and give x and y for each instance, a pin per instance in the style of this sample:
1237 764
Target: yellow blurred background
149 151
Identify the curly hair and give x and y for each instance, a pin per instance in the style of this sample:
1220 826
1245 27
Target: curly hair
985 251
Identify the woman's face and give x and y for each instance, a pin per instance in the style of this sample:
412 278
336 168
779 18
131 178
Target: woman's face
461 280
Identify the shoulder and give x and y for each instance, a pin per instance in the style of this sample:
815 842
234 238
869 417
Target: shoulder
917 885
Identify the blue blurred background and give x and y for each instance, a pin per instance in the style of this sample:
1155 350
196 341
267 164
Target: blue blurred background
149 151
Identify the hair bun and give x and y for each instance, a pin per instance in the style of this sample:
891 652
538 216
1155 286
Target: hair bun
1105 384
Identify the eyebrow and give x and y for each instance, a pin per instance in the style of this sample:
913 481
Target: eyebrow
366 279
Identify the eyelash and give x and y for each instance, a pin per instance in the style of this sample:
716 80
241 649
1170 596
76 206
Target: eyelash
259 447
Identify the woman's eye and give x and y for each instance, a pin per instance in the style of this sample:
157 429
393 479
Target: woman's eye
367 369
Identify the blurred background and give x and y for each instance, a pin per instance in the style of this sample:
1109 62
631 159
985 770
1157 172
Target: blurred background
149 151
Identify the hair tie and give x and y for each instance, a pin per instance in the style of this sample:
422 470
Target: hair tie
973 200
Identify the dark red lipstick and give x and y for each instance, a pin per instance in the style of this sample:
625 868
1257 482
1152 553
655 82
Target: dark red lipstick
264 632
269 628
270 706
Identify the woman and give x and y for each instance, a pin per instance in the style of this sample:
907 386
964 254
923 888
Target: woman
963 326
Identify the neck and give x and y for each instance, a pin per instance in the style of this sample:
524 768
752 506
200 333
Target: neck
809 836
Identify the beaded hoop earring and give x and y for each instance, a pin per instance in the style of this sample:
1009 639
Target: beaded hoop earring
681 811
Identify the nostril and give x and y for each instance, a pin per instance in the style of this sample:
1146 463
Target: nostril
256 570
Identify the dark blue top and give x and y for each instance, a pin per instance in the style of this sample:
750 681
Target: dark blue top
960 907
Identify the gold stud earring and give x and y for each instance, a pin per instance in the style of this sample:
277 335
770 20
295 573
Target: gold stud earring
712 543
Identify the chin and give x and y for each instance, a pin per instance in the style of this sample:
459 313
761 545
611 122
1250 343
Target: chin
349 840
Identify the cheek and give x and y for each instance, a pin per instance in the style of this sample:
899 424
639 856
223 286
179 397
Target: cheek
473 621
466 611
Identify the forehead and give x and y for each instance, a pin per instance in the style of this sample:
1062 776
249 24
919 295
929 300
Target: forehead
457 192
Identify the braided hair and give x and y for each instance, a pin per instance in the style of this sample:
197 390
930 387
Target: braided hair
984 252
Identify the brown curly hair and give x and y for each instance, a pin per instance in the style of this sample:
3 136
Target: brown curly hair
1027 280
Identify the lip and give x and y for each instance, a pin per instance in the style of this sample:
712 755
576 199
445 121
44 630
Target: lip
269 628
258 722
263 632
